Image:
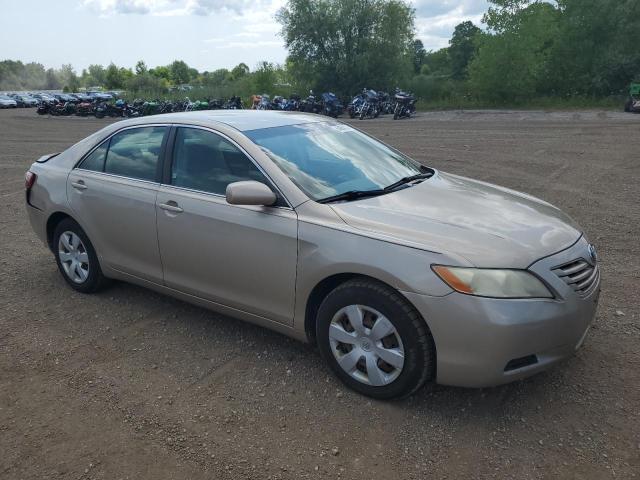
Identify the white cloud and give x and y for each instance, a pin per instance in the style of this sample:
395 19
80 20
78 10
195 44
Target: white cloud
436 19
172 7
254 20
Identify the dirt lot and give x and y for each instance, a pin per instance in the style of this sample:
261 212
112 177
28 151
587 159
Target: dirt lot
129 384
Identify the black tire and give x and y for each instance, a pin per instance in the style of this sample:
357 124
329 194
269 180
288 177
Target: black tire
627 106
419 349
95 280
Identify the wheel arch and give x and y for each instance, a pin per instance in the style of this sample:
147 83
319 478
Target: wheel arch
52 222
325 286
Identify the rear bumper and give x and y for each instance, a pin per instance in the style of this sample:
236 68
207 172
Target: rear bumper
483 342
38 222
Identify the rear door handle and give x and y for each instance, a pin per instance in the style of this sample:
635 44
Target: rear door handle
171 206
79 185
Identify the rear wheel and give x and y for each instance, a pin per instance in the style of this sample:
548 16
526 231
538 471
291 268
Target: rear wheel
76 258
374 340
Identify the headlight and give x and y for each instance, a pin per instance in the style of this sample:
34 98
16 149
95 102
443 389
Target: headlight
485 282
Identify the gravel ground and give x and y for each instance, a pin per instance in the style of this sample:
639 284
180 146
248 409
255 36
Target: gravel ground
129 384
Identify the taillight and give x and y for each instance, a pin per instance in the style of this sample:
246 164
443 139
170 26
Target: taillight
29 179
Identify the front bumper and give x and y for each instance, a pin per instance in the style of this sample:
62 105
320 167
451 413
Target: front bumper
482 342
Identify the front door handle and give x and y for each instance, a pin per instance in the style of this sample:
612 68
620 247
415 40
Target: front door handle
171 206
79 185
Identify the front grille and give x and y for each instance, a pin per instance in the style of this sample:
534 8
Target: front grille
579 275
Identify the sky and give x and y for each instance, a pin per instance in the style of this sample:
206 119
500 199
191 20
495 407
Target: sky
207 34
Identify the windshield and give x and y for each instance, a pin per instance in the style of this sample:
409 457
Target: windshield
326 159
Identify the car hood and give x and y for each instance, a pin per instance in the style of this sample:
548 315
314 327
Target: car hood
487 225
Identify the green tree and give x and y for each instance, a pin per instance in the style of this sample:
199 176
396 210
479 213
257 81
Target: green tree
239 71
264 77
179 72
597 51
437 63
512 62
141 68
98 74
146 82
346 45
69 78
419 54
462 48
161 72
51 80
114 77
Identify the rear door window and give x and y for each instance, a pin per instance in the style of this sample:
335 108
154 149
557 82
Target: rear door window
135 153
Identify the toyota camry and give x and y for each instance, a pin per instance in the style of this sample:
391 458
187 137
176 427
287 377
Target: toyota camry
400 273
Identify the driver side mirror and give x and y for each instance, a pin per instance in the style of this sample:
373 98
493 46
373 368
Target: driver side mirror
250 193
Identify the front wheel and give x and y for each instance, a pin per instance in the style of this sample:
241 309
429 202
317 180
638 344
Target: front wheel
374 340
76 258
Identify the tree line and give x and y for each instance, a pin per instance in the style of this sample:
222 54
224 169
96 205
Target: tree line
523 50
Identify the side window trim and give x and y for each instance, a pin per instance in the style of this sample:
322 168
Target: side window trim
162 158
168 158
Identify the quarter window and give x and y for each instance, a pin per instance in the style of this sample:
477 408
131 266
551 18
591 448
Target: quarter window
208 162
95 160
135 152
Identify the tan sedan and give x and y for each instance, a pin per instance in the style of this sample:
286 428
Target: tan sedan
400 273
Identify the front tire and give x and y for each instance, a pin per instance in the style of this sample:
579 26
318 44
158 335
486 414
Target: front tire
76 258
374 340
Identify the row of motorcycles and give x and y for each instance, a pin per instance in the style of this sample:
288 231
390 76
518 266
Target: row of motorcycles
139 107
325 104
368 104
371 104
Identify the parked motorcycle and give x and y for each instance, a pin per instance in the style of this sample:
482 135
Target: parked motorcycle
44 108
369 107
310 105
84 109
293 103
264 103
234 103
405 104
331 106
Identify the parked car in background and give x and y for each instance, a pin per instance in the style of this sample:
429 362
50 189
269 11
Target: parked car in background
101 96
83 97
401 274
7 102
44 97
65 97
24 101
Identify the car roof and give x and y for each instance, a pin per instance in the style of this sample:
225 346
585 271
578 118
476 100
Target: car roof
243 120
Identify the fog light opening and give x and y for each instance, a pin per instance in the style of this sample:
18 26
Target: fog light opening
521 362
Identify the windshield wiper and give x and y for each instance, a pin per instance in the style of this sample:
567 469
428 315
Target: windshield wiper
406 180
352 195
